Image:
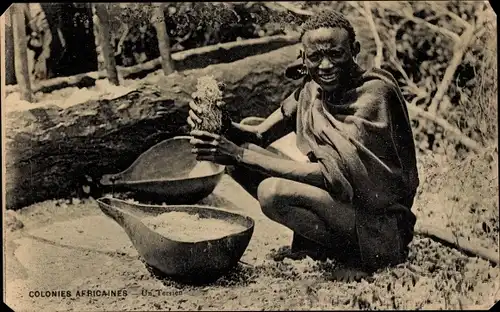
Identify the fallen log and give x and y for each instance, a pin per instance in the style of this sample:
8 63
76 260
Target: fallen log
468 246
189 59
50 150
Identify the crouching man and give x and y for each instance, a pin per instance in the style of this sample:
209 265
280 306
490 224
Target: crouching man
352 199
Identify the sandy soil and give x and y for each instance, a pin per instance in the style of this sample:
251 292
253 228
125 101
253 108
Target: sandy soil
72 246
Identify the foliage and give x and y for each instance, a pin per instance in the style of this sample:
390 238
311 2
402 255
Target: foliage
477 97
191 25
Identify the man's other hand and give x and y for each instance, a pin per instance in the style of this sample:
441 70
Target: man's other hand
215 148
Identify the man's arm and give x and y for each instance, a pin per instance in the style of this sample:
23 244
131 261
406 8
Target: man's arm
219 149
309 173
271 129
277 125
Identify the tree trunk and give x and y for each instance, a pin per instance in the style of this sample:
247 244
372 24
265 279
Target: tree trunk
21 51
49 150
163 39
10 71
72 48
105 42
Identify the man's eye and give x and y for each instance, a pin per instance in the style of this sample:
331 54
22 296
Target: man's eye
335 54
314 57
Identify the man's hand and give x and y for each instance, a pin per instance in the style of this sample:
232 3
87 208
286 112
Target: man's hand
194 111
215 148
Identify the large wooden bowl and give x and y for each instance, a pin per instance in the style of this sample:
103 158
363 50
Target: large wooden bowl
161 174
187 262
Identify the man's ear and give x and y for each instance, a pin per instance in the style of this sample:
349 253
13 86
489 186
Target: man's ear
356 48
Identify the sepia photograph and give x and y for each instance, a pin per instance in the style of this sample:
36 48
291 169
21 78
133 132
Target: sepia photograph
243 156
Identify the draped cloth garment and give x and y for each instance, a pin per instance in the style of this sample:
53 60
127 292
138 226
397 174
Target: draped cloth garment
364 145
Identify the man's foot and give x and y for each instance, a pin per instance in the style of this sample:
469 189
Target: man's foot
287 252
294 254
342 274
314 250
300 249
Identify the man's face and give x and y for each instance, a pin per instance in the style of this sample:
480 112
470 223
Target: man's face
328 56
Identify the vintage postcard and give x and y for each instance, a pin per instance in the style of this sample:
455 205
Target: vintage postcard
326 155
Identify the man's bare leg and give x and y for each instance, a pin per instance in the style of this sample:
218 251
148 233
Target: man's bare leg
299 241
314 215
308 211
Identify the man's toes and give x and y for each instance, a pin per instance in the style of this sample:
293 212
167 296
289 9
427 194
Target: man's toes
287 252
299 255
280 254
358 276
278 257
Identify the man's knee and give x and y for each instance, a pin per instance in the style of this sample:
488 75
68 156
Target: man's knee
268 196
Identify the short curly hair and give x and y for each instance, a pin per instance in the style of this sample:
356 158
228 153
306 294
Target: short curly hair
329 19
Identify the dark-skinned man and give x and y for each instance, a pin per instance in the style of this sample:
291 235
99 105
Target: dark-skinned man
352 199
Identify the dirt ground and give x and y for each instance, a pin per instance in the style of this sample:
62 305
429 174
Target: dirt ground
72 246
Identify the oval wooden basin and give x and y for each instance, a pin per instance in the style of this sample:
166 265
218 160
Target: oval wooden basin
168 172
187 262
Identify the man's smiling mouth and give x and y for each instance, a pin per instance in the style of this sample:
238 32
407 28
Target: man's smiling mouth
328 76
